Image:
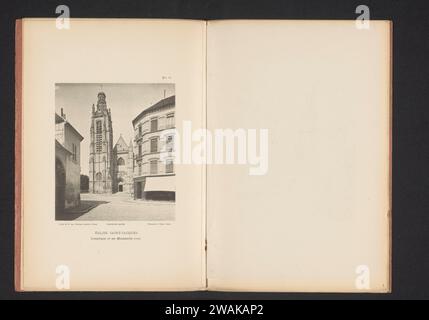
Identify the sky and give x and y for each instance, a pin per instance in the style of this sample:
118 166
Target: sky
125 101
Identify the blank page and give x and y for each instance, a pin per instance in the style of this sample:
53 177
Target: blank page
319 218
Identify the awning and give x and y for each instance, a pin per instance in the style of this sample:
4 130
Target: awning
161 183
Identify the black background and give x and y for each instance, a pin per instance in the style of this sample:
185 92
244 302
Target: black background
410 125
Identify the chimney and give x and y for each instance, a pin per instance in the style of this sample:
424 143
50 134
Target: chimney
62 114
164 93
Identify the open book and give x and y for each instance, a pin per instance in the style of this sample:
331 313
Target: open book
182 155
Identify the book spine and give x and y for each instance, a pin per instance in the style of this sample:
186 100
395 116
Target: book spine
18 154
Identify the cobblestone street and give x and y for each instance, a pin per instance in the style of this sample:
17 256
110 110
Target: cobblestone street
119 207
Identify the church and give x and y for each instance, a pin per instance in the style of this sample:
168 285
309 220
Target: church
141 173
111 165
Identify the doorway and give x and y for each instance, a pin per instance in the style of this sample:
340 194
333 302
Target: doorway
138 190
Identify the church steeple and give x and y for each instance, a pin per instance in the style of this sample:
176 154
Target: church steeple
102 175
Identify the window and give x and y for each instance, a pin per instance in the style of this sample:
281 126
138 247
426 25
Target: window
170 120
169 166
154 145
153 166
140 130
98 137
121 162
98 126
140 169
98 176
140 149
98 146
154 125
170 144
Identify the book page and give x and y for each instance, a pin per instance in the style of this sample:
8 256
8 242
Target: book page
303 202
104 205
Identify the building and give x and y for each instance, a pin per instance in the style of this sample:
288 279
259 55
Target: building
101 158
124 166
154 145
145 169
101 168
67 164
110 168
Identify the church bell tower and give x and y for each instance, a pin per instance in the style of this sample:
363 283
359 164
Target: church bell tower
101 158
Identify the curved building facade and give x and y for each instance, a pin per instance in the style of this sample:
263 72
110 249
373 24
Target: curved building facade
154 171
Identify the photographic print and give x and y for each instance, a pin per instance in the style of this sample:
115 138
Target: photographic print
114 152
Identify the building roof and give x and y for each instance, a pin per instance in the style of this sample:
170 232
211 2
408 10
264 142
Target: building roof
74 130
121 144
166 102
59 119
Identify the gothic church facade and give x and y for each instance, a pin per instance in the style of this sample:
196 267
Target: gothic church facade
110 167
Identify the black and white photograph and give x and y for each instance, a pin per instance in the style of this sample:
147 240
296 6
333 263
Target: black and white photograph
114 152
294 166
